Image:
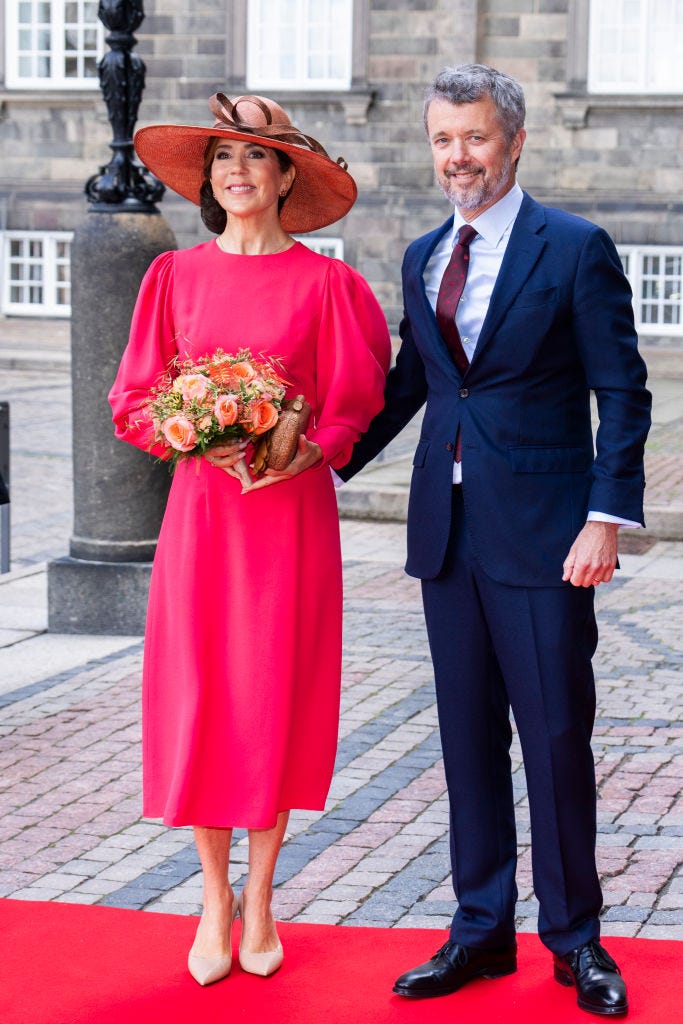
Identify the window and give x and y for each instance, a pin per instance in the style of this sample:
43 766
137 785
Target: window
36 273
635 46
299 44
656 277
325 246
53 43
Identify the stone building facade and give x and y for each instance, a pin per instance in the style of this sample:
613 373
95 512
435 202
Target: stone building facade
604 143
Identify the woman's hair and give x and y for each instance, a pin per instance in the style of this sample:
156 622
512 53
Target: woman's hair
471 82
212 213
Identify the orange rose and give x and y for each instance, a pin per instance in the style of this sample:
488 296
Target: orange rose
244 370
263 416
225 410
180 433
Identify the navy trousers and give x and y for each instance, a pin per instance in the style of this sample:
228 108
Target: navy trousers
496 647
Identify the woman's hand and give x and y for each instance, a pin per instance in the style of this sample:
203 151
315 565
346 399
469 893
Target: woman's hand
308 454
231 459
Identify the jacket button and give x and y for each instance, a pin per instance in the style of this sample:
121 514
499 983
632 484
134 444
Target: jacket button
450 447
464 392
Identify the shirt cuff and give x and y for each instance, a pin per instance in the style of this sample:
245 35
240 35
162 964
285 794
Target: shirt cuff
604 517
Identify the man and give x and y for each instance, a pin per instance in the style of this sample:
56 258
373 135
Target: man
512 523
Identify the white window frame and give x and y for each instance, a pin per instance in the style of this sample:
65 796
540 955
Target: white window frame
56 50
333 247
657 43
261 19
634 258
47 279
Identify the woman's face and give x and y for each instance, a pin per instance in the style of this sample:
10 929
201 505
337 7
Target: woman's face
247 178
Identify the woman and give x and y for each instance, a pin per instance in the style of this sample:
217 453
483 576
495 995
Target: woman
242 659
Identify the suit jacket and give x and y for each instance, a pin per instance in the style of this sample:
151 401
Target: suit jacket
559 324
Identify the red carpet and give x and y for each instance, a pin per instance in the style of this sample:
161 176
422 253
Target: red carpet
68 964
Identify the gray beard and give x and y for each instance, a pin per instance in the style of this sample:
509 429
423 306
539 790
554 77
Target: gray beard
477 194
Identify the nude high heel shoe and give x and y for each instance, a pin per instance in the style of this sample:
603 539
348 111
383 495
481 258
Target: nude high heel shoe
208 969
262 964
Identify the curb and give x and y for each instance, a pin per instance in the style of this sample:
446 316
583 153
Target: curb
665 522
16 359
387 503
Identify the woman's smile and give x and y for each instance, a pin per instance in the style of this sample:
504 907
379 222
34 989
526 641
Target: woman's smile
245 170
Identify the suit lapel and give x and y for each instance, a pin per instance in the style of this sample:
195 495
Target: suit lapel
420 308
429 244
521 255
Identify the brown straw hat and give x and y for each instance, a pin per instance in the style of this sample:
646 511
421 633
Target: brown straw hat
323 191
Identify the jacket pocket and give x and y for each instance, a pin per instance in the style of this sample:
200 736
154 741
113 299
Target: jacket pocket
420 454
540 297
549 459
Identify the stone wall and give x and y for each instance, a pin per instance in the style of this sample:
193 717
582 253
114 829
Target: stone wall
616 161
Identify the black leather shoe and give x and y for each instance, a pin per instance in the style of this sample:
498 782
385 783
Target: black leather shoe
599 984
453 966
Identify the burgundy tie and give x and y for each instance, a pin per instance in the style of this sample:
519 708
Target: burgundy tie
450 293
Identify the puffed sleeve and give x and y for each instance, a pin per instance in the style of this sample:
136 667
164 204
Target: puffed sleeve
353 356
148 355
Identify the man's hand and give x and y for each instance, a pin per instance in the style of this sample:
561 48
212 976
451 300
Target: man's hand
592 557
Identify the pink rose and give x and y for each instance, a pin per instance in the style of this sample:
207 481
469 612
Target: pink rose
226 410
191 386
180 433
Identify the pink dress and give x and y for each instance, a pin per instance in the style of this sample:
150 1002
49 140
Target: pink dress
242 662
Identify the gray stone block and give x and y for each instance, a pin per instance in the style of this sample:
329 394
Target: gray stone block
104 598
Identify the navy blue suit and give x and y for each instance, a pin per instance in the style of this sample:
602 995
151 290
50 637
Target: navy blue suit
504 629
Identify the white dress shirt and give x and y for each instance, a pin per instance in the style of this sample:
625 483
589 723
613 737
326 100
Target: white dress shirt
493 229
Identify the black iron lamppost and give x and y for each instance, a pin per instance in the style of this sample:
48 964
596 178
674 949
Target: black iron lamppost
123 183
119 494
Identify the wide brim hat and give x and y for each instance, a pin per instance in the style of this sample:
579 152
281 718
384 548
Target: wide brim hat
323 190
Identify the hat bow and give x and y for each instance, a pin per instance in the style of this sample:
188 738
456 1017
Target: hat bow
227 116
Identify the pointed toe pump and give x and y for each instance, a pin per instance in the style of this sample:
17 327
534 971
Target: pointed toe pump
208 969
262 964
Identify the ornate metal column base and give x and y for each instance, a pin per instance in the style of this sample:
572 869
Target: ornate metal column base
124 184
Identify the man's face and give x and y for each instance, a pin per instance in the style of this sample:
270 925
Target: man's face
473 161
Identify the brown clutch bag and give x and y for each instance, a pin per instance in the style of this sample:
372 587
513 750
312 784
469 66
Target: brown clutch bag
278 447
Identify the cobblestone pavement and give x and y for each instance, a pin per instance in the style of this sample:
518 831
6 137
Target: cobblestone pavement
69 737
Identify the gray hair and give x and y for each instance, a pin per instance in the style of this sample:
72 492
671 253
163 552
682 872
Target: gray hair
471 82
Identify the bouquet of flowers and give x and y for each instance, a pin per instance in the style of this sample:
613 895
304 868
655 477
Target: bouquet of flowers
217 399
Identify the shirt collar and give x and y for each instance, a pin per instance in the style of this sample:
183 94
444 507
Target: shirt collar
494 222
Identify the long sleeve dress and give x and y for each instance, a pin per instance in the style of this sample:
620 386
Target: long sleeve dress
242 661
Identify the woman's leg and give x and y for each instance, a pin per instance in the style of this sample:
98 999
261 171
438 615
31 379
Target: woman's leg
213 938
259 934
